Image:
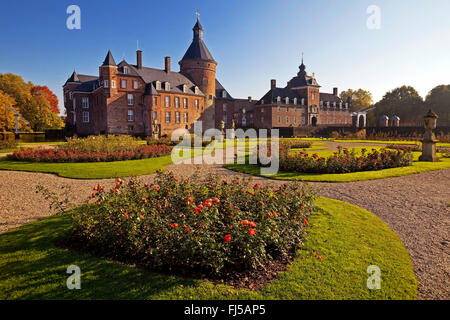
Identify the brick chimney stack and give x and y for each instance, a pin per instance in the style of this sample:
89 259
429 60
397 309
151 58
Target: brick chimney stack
139 59
335 91
167 64
273 84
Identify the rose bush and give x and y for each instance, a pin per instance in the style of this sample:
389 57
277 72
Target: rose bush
58 155
344 161
211 226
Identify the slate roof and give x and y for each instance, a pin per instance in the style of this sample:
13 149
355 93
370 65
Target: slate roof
325 97
220 89
81 78
272 94
109 60
198 49
88 86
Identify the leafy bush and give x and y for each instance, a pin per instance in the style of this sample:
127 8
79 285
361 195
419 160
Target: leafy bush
294 144
211 226
344 161
167 141
58 155
8 145
405 147
101 144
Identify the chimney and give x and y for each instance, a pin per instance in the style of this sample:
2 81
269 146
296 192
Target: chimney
167 64
273 83
249 99
335 91
139 59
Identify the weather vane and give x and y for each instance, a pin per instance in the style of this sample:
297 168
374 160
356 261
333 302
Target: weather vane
197 13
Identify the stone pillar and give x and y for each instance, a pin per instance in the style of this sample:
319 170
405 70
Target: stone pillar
429 139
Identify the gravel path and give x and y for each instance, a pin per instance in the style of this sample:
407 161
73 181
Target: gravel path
414 206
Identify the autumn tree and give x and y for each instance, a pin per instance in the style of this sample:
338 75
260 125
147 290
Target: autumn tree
49 95
36 108
360 98
404 102
438 99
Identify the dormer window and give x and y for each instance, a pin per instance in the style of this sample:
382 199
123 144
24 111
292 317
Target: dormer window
126 70
340 105
196 90
286 100
303 101
184 88
295 100
224 94
167 86
334 104
328 104
278 99
158 85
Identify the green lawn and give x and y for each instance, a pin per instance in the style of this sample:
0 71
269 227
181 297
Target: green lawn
417 167
348 237
91 170
96 170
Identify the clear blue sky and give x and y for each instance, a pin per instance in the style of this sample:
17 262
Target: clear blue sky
252 40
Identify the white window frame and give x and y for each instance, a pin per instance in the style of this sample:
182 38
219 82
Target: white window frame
177 117
167 86
197 105
185 103
177 102
106 83
85 102
168 117
286 100
158 85
126 70
122 82
186 117
130 115
130 99
85 116
136 84
167 101
113 84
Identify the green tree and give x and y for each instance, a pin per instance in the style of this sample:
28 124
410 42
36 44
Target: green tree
360 98
404 102
37 109
438 99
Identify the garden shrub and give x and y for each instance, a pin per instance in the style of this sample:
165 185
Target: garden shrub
405 147
344 161
210 226
93 149
8 144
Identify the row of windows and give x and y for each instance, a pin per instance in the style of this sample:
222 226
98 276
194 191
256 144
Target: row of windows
177 117
294 120
168 103
123 84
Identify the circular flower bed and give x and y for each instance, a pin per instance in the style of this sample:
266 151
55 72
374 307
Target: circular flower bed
209 227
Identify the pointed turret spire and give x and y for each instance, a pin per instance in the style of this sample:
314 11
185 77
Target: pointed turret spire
198 49
302 68
109 60
73 77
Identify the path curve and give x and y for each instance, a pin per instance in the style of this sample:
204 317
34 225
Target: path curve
414 206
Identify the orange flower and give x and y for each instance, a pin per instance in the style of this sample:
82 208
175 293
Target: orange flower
227 238
252 232
174 225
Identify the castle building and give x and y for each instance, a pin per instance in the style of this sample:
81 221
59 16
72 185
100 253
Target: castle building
128 98
301 103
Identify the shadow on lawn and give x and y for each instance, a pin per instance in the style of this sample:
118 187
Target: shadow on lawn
46 265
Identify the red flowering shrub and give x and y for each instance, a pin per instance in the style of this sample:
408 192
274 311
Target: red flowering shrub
344 161
58 155
212 226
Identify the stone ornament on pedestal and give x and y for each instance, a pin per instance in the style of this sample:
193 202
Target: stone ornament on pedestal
429 139
222 129
155 131
233 127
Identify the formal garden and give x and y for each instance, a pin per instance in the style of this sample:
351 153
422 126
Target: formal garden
206 236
